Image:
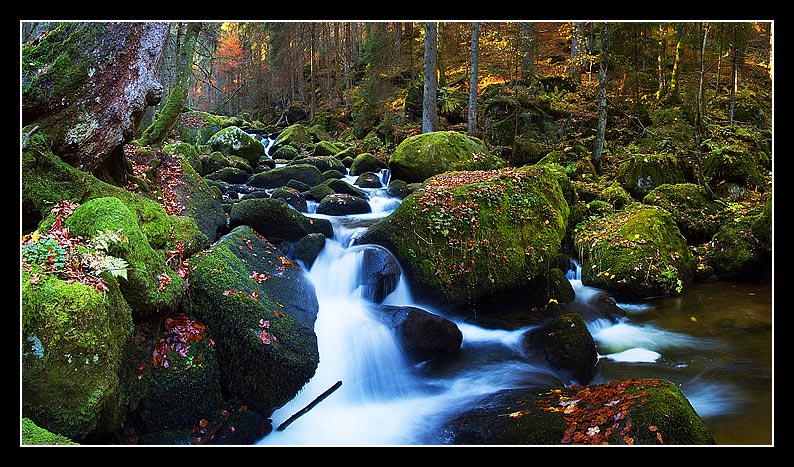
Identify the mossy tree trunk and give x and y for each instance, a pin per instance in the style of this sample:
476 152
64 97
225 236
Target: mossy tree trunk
168 116
86 85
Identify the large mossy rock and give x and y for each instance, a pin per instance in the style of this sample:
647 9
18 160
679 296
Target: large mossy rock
635 253
33 434
742 249
174 379
295 135
629 412
280 176
259 308
276 220
196 127
151 285
73 342
177 181
464 235
233 141
420 157
698 217
641 173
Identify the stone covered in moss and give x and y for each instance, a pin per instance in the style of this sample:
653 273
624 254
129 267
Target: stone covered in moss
324 163
420 157
271 218
629 412
260 309
151 285
33 434
734 253
295 135
698 217
467 234
46 179
174 381
642 173
73 339
635 253
196 127
280 176
233 141
366 162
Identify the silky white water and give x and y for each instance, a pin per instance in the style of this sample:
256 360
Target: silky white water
383 400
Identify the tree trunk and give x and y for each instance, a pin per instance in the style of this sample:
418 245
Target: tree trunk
429 105
674 78
158 131
602 95
527 51
473 80
87 86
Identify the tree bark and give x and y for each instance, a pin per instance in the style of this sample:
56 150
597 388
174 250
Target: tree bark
602 95
473 80
429 109
87 86
157 132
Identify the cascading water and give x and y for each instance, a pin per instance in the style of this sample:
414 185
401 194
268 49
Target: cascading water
383 400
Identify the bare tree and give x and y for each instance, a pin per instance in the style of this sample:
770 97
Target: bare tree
429 106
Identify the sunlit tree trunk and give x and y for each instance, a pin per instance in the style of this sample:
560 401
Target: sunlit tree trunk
473 79
661 58
674 78
429 105
577 51
700 114
602 95
440 59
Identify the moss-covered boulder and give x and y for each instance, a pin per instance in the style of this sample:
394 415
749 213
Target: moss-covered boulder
296 135
342 204
151 285
697 216
324 163
629 412
188 152
171 176
368 180
292 197
231 175
735 253
174 380
213 162
464 235
233 141
73 341
197 127
326 148
566 344
635 253
280 176
641 173
420 157
273 219
259 308
33 434
343 187
367 162
284 152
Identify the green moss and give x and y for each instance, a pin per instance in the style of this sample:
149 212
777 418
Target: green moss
35 435
73 337
634 253
461 237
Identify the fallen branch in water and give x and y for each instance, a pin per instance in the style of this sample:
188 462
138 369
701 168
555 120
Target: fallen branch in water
309 407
